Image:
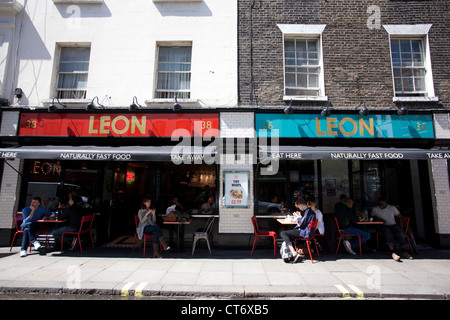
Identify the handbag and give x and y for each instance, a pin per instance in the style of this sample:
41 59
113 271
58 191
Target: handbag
170 217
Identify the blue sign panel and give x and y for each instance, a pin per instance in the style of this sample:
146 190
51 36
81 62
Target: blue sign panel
346 126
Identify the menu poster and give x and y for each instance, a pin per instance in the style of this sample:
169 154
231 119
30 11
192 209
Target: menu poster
236 189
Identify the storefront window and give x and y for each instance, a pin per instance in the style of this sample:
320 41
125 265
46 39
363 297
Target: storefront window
335 182
192 186
277 193
366 183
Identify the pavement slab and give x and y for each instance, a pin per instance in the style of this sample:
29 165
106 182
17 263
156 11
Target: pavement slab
225 274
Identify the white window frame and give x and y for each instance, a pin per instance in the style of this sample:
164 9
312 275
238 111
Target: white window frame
172 44
55 73
77 1
159 1
57 90
413 32
305 31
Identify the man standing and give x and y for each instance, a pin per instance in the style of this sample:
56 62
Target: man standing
391 216
31 214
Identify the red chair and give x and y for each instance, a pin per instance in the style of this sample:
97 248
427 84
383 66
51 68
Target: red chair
345 235
18 219
85 227
146 235
405 221
259 234
311 230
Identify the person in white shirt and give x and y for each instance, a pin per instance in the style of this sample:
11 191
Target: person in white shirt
391 216
319 216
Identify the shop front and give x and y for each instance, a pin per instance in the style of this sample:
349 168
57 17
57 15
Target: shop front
113 160
363 157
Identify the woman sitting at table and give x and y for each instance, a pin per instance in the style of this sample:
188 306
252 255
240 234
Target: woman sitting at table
72 211
147 224
304 217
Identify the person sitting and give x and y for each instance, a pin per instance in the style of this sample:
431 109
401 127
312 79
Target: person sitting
346 216
31 214
72 211
208 207
301 230
147 224
319 215
390 229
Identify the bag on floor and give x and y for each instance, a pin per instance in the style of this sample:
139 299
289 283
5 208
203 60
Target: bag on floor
285 252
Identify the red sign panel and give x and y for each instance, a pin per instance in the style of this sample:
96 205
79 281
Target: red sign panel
118 125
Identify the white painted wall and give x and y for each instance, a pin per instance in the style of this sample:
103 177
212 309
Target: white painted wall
123 37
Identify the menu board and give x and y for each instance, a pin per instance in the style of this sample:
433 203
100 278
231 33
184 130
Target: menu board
236 188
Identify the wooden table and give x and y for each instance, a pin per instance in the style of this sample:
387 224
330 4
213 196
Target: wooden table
178 223
365 222
51 221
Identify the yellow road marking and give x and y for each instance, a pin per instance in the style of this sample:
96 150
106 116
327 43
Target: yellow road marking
124 292
345 293
138 291
359 293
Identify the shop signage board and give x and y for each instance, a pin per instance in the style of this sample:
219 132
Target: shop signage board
118 125
205 154
236 188
349 153
345 126
97 153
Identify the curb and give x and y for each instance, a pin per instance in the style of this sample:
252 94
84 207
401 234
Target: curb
211 292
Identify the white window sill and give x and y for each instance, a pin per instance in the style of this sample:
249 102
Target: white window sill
162 1
415 99
168 103
77 1
67 102
10 6
305 98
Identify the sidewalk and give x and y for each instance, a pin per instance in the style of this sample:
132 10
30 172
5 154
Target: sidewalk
225 274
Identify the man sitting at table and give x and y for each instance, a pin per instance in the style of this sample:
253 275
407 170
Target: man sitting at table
304 217
31 214
73 214
209 207
346 216
392 219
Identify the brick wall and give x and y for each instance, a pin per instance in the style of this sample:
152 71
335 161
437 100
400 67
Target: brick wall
442 126
441 201
9 193
357 61
9 121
